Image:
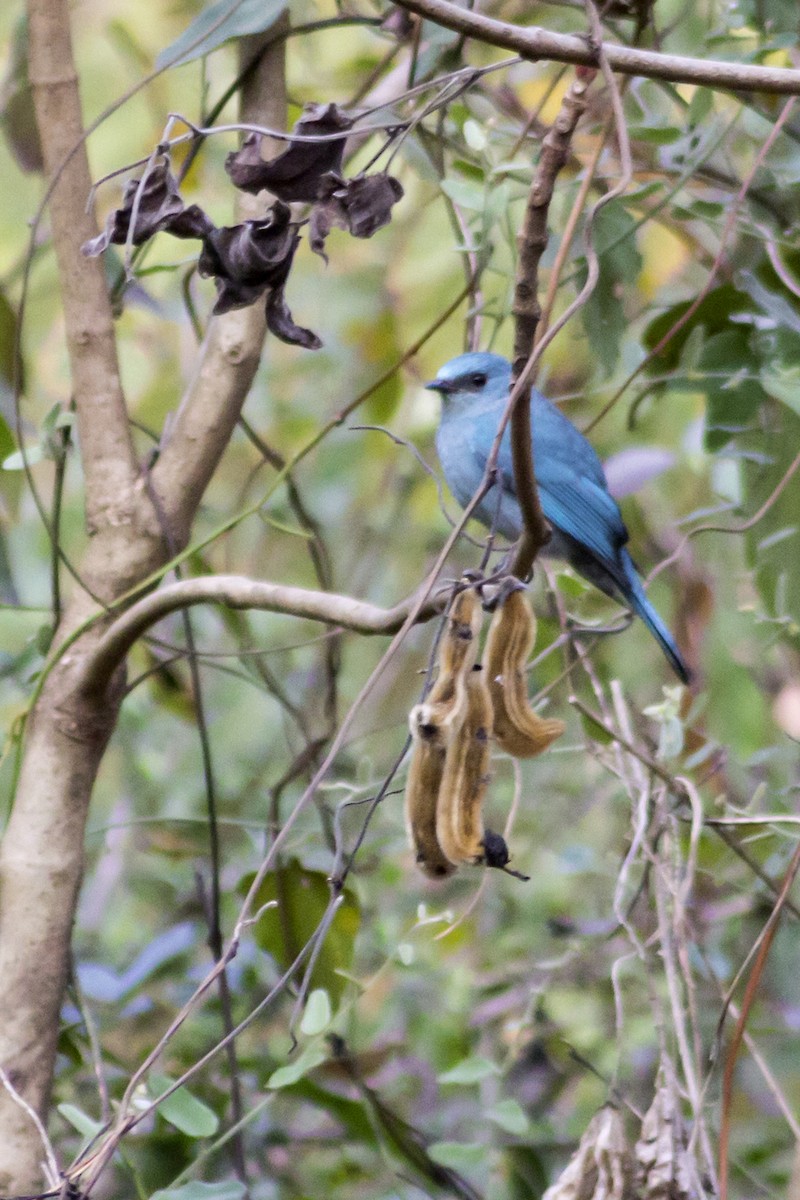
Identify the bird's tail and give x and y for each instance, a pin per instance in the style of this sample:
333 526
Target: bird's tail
635 596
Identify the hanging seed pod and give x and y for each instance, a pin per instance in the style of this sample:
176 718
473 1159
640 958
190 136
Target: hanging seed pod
434 725
422 789
518 729
601 1166
663 1162
459 647
459 812
446 704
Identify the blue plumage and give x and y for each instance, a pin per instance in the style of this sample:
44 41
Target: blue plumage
588 530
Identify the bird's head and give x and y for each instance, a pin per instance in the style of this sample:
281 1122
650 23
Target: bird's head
472 377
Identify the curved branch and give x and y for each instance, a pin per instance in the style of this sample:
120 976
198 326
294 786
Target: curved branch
237 591
534 43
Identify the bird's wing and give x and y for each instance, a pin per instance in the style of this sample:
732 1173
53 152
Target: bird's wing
574 502
581 508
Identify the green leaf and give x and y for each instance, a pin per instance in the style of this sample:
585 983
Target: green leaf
314 1054
657 135
212 28
458 1156
707 208
302 899
317 1013
510 1116
16 461
778 16
604 316
8 333
596 731
182 1109
700 106
733 391
780 373
85 1125
527 1173
17 114
467 195
571 585
773 544
6 440
225 1189
470 1070
713 313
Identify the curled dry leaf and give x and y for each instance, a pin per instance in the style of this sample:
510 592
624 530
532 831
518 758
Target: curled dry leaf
518 729
255 257
295 174
280 322
663 1165
601 1167
361 206
249 259
159 207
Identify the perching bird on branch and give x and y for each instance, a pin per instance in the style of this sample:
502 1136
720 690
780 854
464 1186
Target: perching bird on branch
588 530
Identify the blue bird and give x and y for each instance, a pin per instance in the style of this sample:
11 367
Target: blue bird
588 530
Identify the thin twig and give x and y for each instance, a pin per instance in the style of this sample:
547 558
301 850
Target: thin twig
51 1164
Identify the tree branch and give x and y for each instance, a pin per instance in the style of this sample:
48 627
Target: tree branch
535 44
527 310
109 461
237 591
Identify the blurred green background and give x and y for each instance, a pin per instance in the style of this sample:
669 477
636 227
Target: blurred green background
499 1039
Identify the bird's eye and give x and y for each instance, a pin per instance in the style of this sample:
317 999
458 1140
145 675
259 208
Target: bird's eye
478 380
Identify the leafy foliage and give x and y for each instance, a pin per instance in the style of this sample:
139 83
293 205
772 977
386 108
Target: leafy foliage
477 1021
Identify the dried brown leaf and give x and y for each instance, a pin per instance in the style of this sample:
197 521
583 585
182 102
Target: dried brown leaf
295 174
159 206
361 206
281 323
663 1166
601 1167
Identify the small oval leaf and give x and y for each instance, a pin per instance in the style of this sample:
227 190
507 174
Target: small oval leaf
470 1070
183 1110
317 1014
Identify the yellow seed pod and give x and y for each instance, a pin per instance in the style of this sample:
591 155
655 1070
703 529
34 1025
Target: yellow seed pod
425 771
517 728
434 724
459 646
458 649
459 812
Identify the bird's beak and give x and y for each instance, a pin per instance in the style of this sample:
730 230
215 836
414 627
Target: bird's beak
439 385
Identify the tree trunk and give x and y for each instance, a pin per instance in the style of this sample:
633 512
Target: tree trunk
41 856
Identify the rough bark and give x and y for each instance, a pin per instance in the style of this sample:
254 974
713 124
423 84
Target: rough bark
41 856
527 311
